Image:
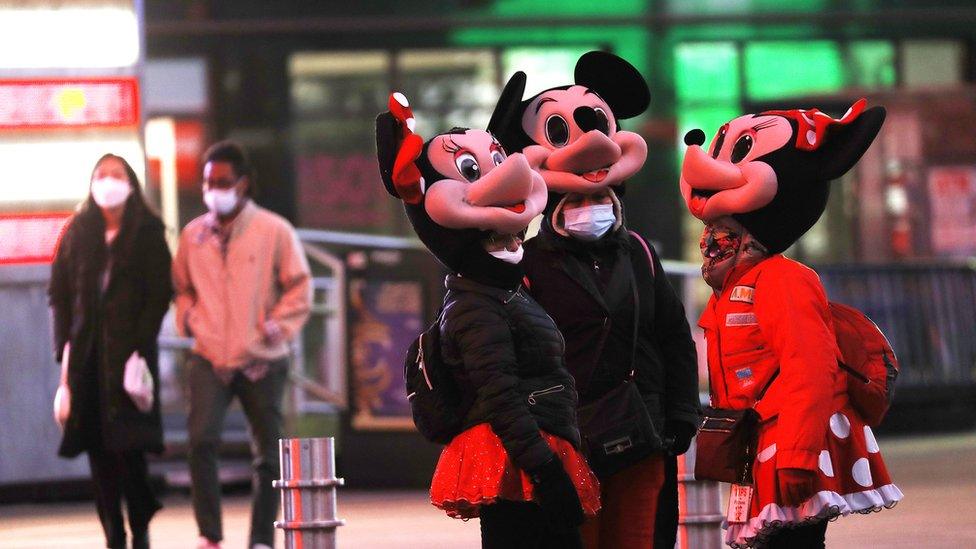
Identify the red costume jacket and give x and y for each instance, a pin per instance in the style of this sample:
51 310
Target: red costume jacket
775 316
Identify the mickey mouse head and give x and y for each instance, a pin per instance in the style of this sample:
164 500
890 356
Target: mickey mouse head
571 134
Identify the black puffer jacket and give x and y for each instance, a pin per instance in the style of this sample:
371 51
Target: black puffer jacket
507 357
565 276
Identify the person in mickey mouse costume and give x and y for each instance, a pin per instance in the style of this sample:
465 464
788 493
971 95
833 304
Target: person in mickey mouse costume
606 289
762 183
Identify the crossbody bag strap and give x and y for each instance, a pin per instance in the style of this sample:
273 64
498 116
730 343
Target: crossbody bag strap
633 286
633 347
765 388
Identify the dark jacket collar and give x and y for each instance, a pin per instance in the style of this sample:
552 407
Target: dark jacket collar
571 256
461 284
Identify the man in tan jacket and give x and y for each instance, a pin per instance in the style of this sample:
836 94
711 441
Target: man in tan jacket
243 292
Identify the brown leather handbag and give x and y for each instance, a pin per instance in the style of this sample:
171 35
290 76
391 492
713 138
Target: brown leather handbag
726 442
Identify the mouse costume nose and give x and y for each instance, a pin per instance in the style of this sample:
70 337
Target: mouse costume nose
695 137
587 119
506 184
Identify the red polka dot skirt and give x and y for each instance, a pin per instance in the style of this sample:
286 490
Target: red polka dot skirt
851 478
475 470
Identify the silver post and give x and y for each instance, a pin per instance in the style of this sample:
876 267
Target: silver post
700 507
308 493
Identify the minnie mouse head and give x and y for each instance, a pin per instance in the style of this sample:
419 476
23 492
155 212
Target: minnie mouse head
771 171
571 134
467 200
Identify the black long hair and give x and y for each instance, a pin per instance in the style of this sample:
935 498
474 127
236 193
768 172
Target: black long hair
136 213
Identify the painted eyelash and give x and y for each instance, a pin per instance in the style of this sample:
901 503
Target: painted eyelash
453 148
763 125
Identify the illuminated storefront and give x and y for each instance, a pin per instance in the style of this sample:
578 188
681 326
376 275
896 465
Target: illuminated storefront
69 93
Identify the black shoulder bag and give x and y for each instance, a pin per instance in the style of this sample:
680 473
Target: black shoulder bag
616 428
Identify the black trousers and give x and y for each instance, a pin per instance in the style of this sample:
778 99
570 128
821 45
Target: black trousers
810 536
522 525
123 474
209 400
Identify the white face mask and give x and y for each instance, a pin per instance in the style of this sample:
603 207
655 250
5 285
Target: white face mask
110 192
220 201
507 256
589 222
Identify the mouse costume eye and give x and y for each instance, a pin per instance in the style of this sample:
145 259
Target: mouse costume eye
468 166
741 148
719 141
557 130
497 157
602 122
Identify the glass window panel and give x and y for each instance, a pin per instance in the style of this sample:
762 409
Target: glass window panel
544 67
777 70
706 71
871 64
335 97
929 63
448 88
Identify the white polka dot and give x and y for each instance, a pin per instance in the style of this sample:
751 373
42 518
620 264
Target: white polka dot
401 99
862 472
767 454
807 118
840 425
872 443
825 465
811 137
411 123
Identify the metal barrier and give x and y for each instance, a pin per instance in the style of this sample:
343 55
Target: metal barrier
928 313
308 493
700 507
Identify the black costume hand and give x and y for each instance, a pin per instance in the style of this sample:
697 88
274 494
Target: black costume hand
679 433
556 494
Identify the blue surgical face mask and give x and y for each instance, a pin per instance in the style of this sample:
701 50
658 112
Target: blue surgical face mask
589 223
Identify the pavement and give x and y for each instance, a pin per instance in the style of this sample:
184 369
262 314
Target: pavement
936 473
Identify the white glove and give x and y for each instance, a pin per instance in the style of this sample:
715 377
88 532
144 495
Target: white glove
62 397
62 405
138 382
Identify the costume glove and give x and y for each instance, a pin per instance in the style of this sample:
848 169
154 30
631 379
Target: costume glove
678 435
795 485
556 494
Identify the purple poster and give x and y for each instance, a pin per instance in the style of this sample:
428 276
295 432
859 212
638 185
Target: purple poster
385 318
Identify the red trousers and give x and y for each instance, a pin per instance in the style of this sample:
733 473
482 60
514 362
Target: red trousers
629 500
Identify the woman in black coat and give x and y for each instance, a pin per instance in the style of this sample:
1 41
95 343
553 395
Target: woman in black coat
110 287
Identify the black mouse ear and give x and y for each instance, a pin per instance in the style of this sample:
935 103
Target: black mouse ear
844 145
387 143
506 119
617 81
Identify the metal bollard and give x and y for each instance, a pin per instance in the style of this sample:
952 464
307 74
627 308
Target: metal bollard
308 493
700 507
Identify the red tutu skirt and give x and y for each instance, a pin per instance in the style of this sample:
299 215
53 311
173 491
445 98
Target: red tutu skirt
475 470
851 478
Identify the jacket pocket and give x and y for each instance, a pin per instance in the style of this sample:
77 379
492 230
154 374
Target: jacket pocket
535 395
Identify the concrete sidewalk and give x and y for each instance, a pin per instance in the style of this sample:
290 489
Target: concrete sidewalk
937 475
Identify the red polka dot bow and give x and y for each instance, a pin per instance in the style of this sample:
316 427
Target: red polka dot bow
406 175
812 124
